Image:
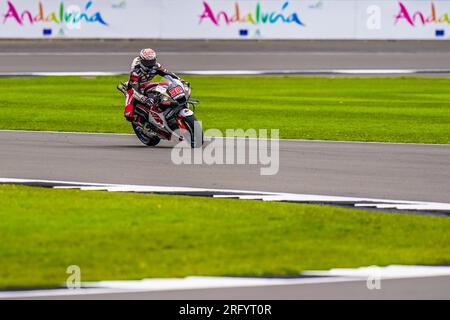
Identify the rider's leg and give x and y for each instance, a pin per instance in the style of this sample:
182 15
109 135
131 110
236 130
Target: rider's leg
129 107
128 113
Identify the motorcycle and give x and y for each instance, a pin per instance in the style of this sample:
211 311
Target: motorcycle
170 117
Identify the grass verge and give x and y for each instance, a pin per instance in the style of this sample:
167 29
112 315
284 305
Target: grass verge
131 236
352 109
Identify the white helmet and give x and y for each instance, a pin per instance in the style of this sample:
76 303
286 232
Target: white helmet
147 57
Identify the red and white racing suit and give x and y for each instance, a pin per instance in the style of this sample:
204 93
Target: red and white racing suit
140 81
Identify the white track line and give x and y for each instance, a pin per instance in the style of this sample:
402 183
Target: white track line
238 72
124 186
196 283
161 285
61 74
389 272
419 206
313 72
211 137
305 72
190 283
68 54
218 53
68 132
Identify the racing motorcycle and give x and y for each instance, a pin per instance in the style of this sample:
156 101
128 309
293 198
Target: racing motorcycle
170 117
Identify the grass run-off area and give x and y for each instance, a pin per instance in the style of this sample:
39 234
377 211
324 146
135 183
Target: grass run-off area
130 236
358 109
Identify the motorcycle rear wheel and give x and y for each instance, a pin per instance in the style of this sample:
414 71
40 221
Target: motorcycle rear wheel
149 141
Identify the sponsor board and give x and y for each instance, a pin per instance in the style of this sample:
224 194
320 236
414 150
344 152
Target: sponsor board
225 19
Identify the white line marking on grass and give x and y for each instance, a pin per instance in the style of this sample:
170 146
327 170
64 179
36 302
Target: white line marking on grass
362 203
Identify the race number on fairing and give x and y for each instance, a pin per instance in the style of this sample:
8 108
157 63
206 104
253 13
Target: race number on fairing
176 91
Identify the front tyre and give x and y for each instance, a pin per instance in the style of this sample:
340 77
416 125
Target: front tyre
149 141
195 131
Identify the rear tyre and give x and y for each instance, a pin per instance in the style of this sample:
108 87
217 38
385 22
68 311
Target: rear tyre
195 131
149 141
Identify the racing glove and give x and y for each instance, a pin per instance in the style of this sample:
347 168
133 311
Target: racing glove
144 100
150 101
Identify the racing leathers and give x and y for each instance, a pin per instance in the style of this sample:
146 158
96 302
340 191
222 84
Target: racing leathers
140 82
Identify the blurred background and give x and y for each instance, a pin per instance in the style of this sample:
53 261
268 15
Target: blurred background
309 35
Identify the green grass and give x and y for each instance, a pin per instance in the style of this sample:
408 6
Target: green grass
362 109
131 236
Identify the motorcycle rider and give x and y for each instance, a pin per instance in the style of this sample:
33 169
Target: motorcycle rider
143 69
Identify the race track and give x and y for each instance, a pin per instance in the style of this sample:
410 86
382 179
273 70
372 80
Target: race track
385 171
435 288
413 172
116 56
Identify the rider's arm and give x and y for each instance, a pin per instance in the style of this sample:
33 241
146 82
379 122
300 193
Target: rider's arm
135 84
134 81
161 71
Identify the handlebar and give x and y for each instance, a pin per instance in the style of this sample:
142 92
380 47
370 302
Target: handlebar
122 88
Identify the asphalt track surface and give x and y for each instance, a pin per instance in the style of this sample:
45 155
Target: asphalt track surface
412 289
116 55
385 171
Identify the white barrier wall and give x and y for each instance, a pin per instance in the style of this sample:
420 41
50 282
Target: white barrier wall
226 19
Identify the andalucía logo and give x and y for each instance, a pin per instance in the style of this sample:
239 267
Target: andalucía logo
417 18
257 16
63 14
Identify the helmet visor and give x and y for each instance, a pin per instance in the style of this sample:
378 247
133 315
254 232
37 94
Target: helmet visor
148 63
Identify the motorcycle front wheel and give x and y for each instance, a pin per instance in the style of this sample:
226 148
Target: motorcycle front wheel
149 141
195 131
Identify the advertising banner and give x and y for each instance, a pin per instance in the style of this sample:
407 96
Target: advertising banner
244 19
80 19
226 19
403 19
